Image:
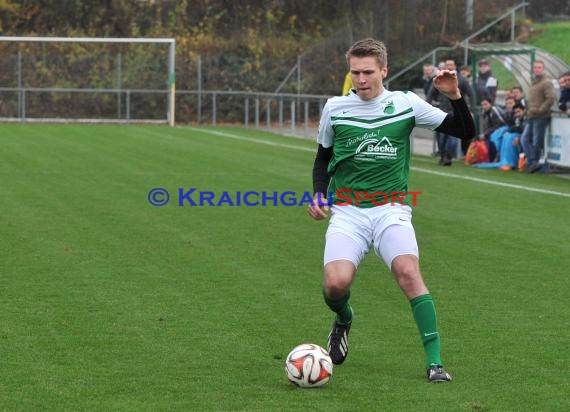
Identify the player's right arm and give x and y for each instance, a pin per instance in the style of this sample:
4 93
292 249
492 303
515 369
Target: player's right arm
321 178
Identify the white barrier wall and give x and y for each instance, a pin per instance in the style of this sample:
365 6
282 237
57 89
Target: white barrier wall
558 142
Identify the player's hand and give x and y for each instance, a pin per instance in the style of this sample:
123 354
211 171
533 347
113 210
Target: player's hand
446 82
319 210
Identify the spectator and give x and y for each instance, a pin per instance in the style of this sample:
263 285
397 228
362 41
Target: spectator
493 126
564 100
508 108
518 119
429 72
440 66
492 117
486 83
466 72
541 97
518 94
509 149
447 144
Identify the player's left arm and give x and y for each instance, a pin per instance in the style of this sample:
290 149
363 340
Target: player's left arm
460 123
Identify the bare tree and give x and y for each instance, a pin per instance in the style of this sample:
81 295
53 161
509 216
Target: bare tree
444 22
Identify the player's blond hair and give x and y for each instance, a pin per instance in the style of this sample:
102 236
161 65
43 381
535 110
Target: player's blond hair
369 48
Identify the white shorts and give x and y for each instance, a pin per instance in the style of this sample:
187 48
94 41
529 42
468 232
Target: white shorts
352 230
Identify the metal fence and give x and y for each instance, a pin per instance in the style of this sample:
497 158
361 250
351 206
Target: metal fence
296 114
82 105
87 78
291 113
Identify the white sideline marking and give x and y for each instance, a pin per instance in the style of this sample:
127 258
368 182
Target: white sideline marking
249 139
415 169
492 182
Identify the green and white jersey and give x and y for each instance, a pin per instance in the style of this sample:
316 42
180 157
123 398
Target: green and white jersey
371 142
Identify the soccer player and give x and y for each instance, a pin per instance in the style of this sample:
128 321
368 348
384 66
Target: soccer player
363 158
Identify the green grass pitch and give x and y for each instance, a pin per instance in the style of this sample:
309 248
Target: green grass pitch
109 303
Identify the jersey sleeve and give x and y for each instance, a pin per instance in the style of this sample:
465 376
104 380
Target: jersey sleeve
325 134
426 115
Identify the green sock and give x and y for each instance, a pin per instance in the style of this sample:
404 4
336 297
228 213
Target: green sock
425 317
341 307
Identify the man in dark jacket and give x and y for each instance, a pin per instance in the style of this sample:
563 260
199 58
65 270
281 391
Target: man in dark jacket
428 74
494 125
486 82
492 118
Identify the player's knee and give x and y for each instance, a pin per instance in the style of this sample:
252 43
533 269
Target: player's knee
407 273
336 291
337 281
336 286
405 265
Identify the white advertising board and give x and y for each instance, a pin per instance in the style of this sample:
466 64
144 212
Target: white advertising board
558 142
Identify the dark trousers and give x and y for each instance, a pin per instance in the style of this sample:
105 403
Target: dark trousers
446 146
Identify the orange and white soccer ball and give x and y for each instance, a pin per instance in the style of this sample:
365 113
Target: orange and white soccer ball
308 366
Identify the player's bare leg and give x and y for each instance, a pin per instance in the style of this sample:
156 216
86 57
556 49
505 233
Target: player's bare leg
338 276
406 270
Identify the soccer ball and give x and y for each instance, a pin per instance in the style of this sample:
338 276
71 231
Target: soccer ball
308 366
